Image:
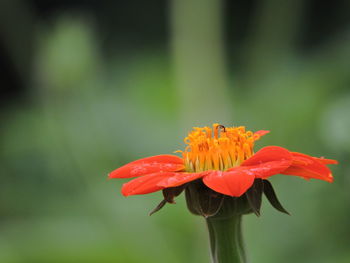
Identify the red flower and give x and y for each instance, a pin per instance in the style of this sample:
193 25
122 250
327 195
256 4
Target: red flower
224 159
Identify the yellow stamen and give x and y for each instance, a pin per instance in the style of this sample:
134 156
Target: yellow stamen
217 148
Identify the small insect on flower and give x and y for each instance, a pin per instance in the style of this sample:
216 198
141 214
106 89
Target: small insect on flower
223 161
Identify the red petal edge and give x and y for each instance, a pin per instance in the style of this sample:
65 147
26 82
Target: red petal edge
326 161
268 161
181 178
145 184
310 167
149 165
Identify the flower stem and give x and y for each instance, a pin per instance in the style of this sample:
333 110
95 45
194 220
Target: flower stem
226 242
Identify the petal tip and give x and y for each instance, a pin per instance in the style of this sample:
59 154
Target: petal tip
330 161
330 178
125 193
261 133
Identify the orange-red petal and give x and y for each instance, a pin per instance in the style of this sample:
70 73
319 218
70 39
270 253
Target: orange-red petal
145 184
181 178
262 132
233 183
265 170
236 181
269 154
326 161
268 161
153 164
309 167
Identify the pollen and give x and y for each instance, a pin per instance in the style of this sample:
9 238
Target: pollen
218 148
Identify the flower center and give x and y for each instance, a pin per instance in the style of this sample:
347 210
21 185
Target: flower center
217 148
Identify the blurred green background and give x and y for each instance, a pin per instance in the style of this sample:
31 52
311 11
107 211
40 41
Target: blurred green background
87 86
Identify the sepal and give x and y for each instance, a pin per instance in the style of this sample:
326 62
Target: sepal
201 200
169 194
254 196
272 197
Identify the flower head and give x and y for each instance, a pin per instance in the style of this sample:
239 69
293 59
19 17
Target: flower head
223 159
218 148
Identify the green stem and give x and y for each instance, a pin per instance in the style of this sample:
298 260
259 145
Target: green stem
226 242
